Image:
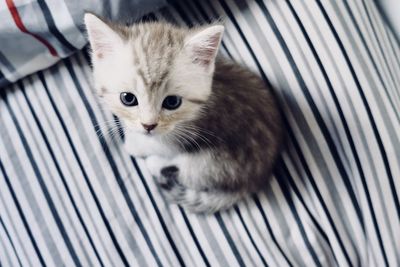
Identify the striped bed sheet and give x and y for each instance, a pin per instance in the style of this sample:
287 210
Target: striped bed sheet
71 196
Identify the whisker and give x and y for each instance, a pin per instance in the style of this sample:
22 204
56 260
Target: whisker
189 138
196 132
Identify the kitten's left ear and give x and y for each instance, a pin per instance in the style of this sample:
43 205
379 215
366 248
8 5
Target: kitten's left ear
203 46
103 39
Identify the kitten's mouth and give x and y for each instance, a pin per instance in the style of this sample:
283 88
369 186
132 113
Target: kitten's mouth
150 133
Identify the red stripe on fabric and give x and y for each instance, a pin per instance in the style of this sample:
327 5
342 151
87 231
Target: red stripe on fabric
18 21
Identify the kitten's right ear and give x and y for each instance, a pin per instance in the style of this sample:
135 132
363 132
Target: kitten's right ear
203 46
102 38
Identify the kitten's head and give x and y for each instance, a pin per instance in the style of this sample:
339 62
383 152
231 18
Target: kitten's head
153 76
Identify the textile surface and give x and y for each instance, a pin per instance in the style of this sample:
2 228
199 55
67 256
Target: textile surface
36 34
69 196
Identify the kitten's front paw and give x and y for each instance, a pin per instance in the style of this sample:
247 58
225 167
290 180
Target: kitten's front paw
189 199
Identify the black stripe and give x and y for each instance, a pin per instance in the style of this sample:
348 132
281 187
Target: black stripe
315 222
249 235
147 18
52 26
315 110
4 83
270 231
317 115
3 80
43 134
182 13
193 15
311 179
43 186
10 240
113 165
382 50
330 115
230 15
365 102
17 231
160 218
369 113
376 70
92 192
348 135
5 253
21 214
236 24
283 173
196 241
208 20
392 40
229 239
339 109
1 76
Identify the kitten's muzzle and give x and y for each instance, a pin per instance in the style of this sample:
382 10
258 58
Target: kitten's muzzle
149 127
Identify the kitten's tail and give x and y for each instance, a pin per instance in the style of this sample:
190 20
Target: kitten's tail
203 201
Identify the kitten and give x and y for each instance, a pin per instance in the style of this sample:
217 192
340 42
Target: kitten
209 128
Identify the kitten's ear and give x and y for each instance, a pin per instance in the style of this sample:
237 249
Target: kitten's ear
102 38
203 46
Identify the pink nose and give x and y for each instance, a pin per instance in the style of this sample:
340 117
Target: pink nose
149 127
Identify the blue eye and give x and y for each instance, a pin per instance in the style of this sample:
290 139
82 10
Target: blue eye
128 99
172 102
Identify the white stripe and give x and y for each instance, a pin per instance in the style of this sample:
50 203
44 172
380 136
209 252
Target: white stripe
366 29
258 231
312 75
227 39
203 240
16 237
33 183
35 229
343 97
11 217
383 134
381 27
315 91
173 215
73 175
98 188
305 194
36 188
241 239
63 21
314 127
4 254
59 198
236 39
268 209
294 233
85 162
72 222
8 249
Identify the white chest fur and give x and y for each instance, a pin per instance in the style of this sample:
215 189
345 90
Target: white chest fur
140 145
